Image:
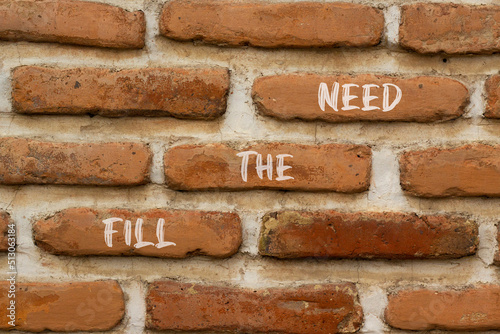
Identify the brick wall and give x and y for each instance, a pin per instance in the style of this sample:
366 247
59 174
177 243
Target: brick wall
293 167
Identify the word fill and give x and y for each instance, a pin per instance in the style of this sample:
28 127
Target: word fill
268 167
127 232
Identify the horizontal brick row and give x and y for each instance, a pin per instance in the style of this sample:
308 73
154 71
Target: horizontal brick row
162 233
493 97
325 308
424 28
391 235
73 22
182 93
202 94
284 234
61 307
464 309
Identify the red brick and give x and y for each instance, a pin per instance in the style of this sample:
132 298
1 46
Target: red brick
493 97
433 28
80 231
272 25
331 167
390 235
471 170
71 22
424 99
182 93
467 309
317 309
58 307
25 161
4 228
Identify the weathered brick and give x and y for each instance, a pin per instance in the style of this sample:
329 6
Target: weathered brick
63 307
4 228
424 99
391 235
25 161
72 22
433 28
80 231
467 309
471 170
493 97
318 309
182 93
330 167
272 25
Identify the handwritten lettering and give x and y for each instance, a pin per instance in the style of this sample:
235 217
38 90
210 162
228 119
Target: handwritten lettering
268 167
331 98
127 232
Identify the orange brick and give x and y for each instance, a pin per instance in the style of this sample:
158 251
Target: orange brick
272 25
62 307
433 28
493 97
317 309
390 235
4 228
466 309
182 93
423 99
25 161
471 170
331 167
71 22
80 231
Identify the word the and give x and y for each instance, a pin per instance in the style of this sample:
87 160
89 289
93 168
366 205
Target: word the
11 261
332 98
127 232
260 168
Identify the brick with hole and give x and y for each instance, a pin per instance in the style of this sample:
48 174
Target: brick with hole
493 97
282 166
26 161
182 93
470 170
5 221
72 22
388 235
473 308
322 308
435 28
272 25
63 307
366 97
162 233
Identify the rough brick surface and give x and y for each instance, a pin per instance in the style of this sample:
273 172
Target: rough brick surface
63 307
182 93
25 161
298 234
331 167
497 253
471 170
470 309
493 97
72 22
300 25
80 231
433 28
4 227
424 99
308 309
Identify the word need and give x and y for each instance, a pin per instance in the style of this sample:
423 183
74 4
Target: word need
331 98
127 232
